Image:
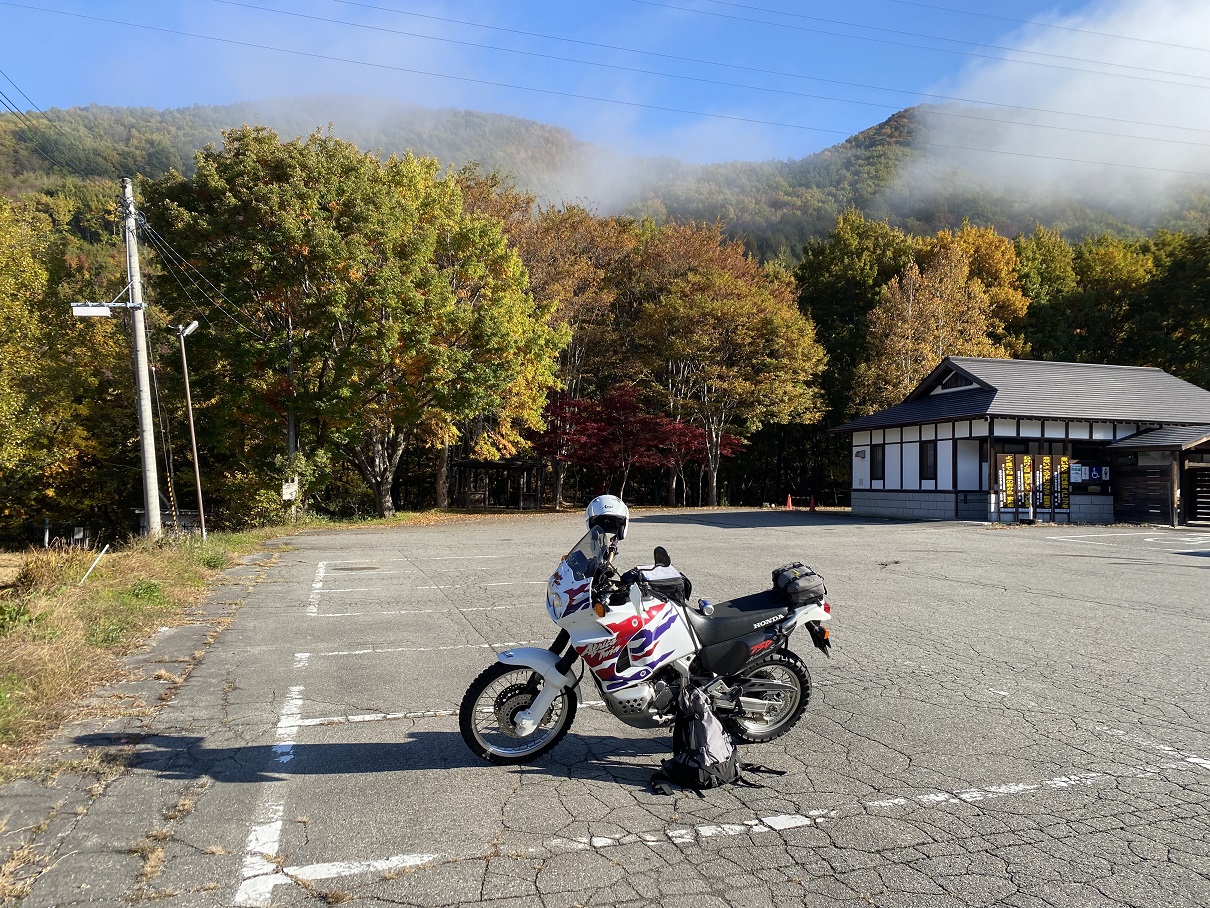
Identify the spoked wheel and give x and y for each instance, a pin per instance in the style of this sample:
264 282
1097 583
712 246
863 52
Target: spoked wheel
488 716
779 709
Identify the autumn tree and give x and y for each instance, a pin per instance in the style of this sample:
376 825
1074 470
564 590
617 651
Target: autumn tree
922 317
993 265
66 414
376 307
727 345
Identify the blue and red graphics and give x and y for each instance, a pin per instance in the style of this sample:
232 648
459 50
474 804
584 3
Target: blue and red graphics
641 640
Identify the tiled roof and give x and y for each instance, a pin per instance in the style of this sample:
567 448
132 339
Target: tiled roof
1040 390
1167 438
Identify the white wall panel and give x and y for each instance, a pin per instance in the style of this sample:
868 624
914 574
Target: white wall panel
911 465
945 465
894 474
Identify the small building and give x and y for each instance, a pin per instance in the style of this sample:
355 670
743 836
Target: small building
512 483
1011 440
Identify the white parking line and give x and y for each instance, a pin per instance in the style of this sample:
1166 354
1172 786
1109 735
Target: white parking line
376 717
260 874
316 587
427 611
417 649
314 872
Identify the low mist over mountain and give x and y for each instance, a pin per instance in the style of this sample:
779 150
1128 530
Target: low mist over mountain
894 170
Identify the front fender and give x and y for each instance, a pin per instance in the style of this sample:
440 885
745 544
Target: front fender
542 661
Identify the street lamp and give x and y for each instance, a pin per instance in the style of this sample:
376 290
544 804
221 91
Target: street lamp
182 332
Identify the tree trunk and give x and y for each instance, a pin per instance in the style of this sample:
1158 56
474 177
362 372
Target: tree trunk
712 486
377 460
443 478
560 471
714 443
383 503
672 487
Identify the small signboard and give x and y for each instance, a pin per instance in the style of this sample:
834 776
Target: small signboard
289 490
90 310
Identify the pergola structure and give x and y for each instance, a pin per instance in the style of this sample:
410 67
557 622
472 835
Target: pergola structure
515 484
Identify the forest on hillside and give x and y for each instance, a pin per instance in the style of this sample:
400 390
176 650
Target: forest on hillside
887 171
368 324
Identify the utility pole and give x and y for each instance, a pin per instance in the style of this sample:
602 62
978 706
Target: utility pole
151 483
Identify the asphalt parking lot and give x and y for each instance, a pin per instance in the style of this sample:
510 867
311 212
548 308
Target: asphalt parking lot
1012 716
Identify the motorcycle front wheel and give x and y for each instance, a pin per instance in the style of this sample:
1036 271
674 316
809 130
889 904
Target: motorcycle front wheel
487 717
782 709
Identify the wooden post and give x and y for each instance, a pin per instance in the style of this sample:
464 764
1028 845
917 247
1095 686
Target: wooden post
1175 490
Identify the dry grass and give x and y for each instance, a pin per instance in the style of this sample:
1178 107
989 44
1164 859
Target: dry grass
15 873
153 860
59 640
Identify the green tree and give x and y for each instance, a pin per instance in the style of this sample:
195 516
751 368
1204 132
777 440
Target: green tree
839 283
1047 276
377 307
1170 317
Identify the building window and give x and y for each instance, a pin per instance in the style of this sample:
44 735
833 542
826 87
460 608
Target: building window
954 380
928 460
878 462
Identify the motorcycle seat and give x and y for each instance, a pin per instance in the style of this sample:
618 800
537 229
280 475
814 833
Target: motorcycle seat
740 617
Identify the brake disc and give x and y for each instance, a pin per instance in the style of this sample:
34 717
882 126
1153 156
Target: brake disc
508 703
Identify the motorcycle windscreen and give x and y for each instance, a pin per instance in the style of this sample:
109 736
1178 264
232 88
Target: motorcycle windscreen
570 587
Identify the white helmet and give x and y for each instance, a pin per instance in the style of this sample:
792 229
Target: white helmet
609 513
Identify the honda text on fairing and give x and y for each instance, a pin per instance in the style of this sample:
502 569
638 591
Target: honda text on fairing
642 643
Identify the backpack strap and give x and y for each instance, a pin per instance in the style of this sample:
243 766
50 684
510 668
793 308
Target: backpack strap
763 770
662 784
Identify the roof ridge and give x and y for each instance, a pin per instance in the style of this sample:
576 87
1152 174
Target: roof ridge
1052 362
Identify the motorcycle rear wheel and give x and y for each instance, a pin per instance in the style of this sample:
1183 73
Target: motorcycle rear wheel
491 705
785 707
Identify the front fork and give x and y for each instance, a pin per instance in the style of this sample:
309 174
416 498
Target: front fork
556 678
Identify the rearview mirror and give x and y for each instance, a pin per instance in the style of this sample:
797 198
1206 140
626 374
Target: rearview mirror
661 557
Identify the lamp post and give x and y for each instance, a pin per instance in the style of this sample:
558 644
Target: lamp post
183 331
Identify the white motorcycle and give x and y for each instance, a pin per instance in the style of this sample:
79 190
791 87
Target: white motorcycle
643 643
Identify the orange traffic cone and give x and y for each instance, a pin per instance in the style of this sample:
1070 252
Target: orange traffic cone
789 503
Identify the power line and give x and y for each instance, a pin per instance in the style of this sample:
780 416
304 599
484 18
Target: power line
767 72
27 124
1035 23
30 127
168 253
566 94
53 124
943 50
697 79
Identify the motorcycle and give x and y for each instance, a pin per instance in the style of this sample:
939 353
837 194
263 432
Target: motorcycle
642 643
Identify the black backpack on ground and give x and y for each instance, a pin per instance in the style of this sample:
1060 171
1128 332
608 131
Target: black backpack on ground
703 754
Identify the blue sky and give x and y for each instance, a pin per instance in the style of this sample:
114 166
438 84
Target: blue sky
747 65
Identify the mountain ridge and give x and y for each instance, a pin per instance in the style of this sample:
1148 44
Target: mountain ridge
886 171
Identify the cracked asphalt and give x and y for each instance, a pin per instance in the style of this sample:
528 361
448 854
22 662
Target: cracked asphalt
1011 717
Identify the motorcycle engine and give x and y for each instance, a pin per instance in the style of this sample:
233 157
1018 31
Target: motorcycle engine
643 705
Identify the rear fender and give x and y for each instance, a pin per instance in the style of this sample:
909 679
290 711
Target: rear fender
812 617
